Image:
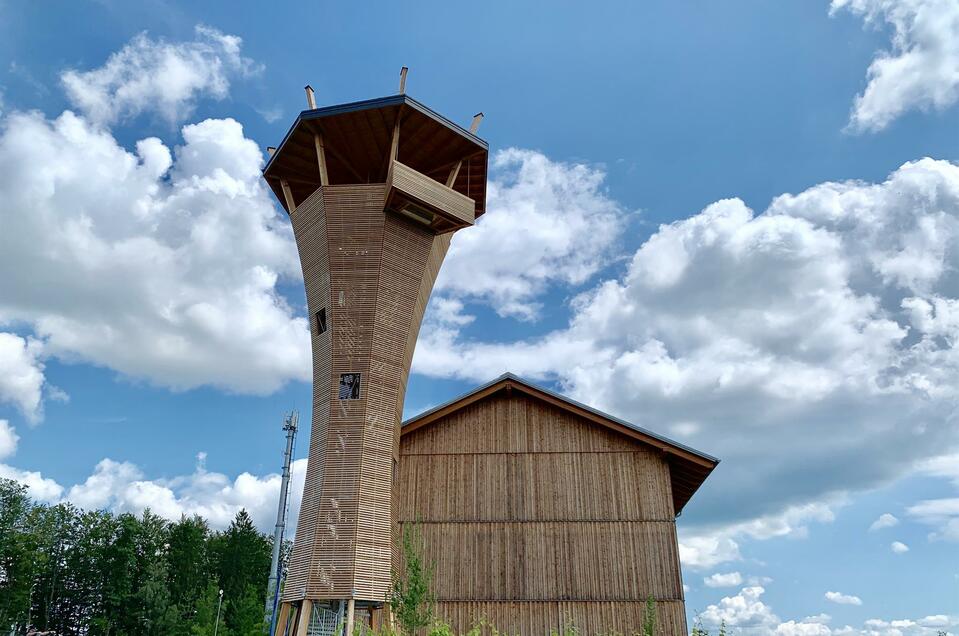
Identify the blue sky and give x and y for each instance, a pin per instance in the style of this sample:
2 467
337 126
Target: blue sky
638 255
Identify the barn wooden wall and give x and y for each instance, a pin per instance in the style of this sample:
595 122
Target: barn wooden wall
534 516
370 271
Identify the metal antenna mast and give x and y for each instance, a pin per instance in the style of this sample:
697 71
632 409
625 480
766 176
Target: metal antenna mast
273 586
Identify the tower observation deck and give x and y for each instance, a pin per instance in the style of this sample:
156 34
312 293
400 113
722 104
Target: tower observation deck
374 190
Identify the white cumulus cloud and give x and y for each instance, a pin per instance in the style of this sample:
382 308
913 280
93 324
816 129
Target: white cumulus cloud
122 487
548 223
729 579
922 69
159 264
899 547
885 520
21 372
843 599
159 76
745 611
819 329
8 439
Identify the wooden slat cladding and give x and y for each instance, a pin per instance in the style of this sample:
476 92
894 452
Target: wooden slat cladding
620 560
309 226
541 618
368 270
435 195
501 424
531 513
406 248
607 486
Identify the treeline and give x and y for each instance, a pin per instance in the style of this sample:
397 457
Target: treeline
79 573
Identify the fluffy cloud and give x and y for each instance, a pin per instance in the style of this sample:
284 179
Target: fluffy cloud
885 520
705 546
730 579
156 75
927 626
8 439
747 614
122 487
160 265
803 628
40 488
21 374
821 330
899 547
843 599
745 611
548 222
922 69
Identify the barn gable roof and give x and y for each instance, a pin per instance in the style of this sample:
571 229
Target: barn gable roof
688 467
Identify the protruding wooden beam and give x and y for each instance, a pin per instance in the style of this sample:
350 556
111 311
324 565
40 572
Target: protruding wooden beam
477 118
339 157
271 150
287 195
395 145
450 180
403 72
310 97
321 158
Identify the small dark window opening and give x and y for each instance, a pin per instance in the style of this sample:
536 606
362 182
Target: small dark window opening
321 321
349 386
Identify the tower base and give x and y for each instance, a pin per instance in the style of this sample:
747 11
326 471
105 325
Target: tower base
330 618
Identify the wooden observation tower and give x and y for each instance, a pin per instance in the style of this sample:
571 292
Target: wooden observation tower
375 190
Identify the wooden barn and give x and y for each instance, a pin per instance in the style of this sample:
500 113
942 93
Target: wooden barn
539 512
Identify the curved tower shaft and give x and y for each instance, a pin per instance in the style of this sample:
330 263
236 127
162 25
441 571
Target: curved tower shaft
374 190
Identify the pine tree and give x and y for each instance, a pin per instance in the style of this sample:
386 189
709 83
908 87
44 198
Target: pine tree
204 617
188 568
244 560
158 614
248 613
118 574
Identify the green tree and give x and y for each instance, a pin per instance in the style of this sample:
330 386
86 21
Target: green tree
55 529
248 613
18 553
188 568
118 574
411 598
158 615
204 618
243 556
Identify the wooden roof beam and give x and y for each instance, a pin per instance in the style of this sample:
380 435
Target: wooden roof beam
287 195
477 119
341 159
474 126
321 158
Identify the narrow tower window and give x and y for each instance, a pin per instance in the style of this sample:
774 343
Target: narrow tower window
321 321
